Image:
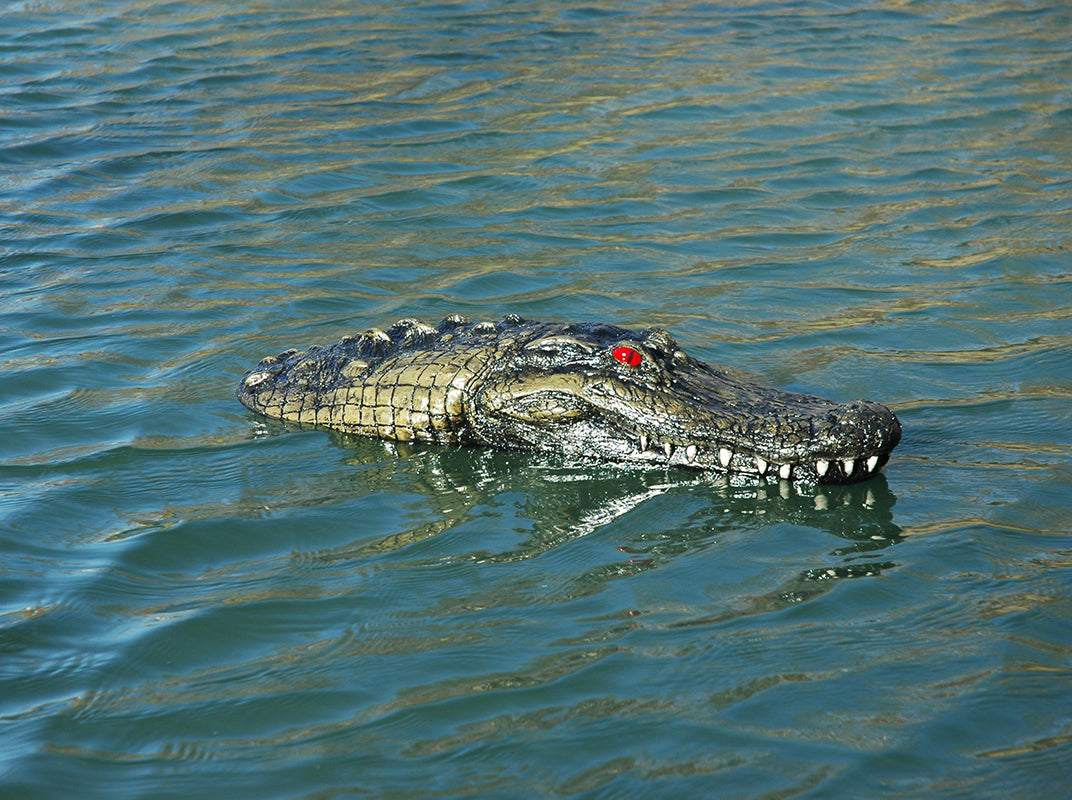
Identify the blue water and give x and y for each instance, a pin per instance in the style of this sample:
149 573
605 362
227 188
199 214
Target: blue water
849 199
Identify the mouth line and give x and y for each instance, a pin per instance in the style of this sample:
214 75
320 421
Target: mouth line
736 459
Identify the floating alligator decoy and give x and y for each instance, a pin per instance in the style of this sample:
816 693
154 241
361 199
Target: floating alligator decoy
583 390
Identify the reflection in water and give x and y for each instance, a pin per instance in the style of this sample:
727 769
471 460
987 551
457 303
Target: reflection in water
456 501
557 503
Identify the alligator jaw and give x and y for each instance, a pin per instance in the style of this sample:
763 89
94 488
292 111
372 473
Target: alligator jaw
727 458
707 421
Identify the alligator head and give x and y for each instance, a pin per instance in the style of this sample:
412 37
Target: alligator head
583 390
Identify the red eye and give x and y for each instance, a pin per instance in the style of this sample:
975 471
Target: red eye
628 356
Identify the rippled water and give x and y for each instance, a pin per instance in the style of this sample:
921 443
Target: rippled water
857 199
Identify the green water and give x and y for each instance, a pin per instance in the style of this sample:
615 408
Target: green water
853 200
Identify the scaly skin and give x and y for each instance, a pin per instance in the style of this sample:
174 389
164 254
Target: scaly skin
584 390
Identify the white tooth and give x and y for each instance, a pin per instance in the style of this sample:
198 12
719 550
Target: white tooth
761 465
668 449
690 453
724 456
643 443
821 467
785 471
849 466
872 463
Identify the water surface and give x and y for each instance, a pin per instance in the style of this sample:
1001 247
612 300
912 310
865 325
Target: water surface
852 199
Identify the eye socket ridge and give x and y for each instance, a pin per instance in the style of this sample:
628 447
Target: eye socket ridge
561 348
628 356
